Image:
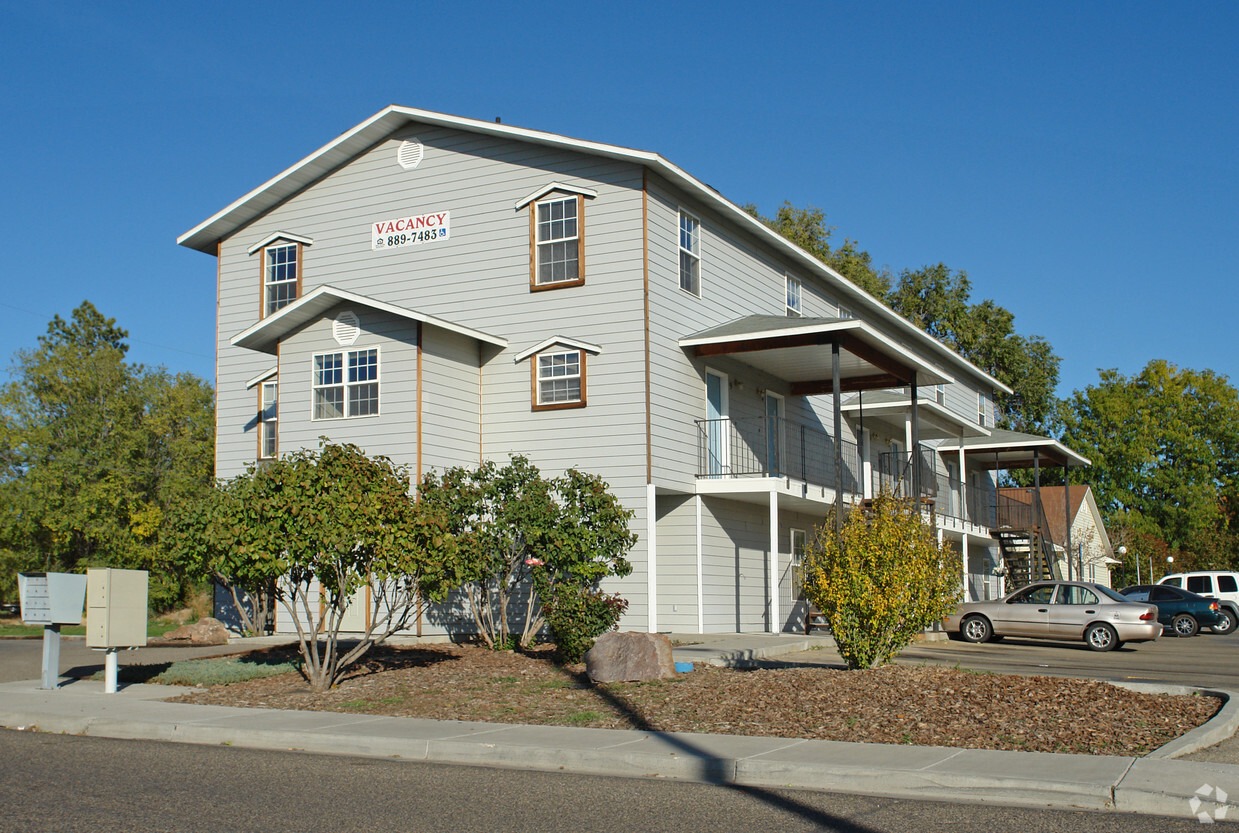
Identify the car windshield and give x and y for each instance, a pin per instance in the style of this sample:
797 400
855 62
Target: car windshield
1106 591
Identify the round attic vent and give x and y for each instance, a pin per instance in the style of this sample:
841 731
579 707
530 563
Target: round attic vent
345 328
409 154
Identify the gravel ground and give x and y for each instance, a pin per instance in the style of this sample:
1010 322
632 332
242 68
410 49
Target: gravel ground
896 704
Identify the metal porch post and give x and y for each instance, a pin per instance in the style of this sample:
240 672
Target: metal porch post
916 450
1067 521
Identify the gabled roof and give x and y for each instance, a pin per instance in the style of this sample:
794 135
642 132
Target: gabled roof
1005 449
564 340
1052 504
381 125
268 332
791 349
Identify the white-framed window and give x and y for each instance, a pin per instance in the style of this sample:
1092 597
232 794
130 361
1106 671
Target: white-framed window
940 394
559 379
280 275
557 242
844 312
793 297
268 419
800 540
690 254
983 418
346 384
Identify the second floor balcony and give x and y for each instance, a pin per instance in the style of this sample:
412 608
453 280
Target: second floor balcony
776 447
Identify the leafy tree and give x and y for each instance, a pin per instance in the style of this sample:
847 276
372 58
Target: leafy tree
509 520
1165 451
322 525
939 301
806 227
882 581
93 449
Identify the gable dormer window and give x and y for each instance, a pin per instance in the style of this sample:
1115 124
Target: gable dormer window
280 275
281 255
556 235
557 372
557 242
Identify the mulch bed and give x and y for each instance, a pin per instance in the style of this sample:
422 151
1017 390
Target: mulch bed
922 705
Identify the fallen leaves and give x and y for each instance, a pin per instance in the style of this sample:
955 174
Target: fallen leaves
921 705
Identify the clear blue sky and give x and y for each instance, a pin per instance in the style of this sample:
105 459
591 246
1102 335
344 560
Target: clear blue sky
1077 160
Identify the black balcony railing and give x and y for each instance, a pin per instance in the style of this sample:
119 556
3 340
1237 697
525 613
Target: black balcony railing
774 447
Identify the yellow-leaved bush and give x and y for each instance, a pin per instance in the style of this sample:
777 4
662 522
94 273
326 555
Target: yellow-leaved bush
882 581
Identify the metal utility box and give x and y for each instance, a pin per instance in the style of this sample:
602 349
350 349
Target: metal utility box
51 598
116 608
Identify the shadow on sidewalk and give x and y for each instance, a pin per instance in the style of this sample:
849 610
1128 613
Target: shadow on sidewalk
715 768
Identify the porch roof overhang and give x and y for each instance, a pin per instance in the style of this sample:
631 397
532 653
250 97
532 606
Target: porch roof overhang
937 422
792 349
1013 450
267 333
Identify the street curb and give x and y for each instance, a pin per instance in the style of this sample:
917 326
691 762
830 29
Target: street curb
925 773
1156 784
1216 729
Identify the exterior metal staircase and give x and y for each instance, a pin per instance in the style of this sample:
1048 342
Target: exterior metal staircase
1027 552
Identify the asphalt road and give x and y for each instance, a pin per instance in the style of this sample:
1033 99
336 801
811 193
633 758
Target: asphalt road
63 784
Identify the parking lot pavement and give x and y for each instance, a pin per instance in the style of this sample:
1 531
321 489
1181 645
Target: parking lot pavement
1206 661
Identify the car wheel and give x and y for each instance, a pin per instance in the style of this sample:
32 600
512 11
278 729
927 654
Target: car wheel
1184 625
1227 625
1101 637
977 629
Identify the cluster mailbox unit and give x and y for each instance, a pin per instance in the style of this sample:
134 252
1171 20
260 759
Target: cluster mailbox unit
115 614
51 600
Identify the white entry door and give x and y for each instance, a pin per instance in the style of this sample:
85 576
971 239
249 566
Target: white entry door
718 461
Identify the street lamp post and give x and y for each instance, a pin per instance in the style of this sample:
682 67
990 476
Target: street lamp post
1123 553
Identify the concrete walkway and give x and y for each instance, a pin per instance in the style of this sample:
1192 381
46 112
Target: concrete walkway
1156 783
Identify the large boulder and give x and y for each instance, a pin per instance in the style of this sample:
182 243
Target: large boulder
629 657
206 631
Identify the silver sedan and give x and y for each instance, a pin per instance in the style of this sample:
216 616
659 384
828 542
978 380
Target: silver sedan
1071 610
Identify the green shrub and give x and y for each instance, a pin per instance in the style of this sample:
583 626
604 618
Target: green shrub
882 581
577 615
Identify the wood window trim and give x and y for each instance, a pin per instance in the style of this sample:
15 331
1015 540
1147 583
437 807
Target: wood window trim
262 421
534 286
534 387
262 271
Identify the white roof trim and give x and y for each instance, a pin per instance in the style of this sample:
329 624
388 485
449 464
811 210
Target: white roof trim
262 377
280 235
938 375
381 125
564 340
555 186
999 444
905 405
265 334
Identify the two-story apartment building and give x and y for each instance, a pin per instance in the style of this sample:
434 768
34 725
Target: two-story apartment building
443 290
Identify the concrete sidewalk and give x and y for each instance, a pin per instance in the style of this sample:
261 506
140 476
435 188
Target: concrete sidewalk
1152 784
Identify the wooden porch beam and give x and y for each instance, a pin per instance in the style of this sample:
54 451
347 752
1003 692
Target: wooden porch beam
877 358
819 387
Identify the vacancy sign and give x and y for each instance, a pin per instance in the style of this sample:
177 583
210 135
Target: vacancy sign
410 231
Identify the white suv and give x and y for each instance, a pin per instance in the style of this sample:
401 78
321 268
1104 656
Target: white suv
1216 584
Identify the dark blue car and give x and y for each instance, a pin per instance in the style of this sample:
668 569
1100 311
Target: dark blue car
1181 611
